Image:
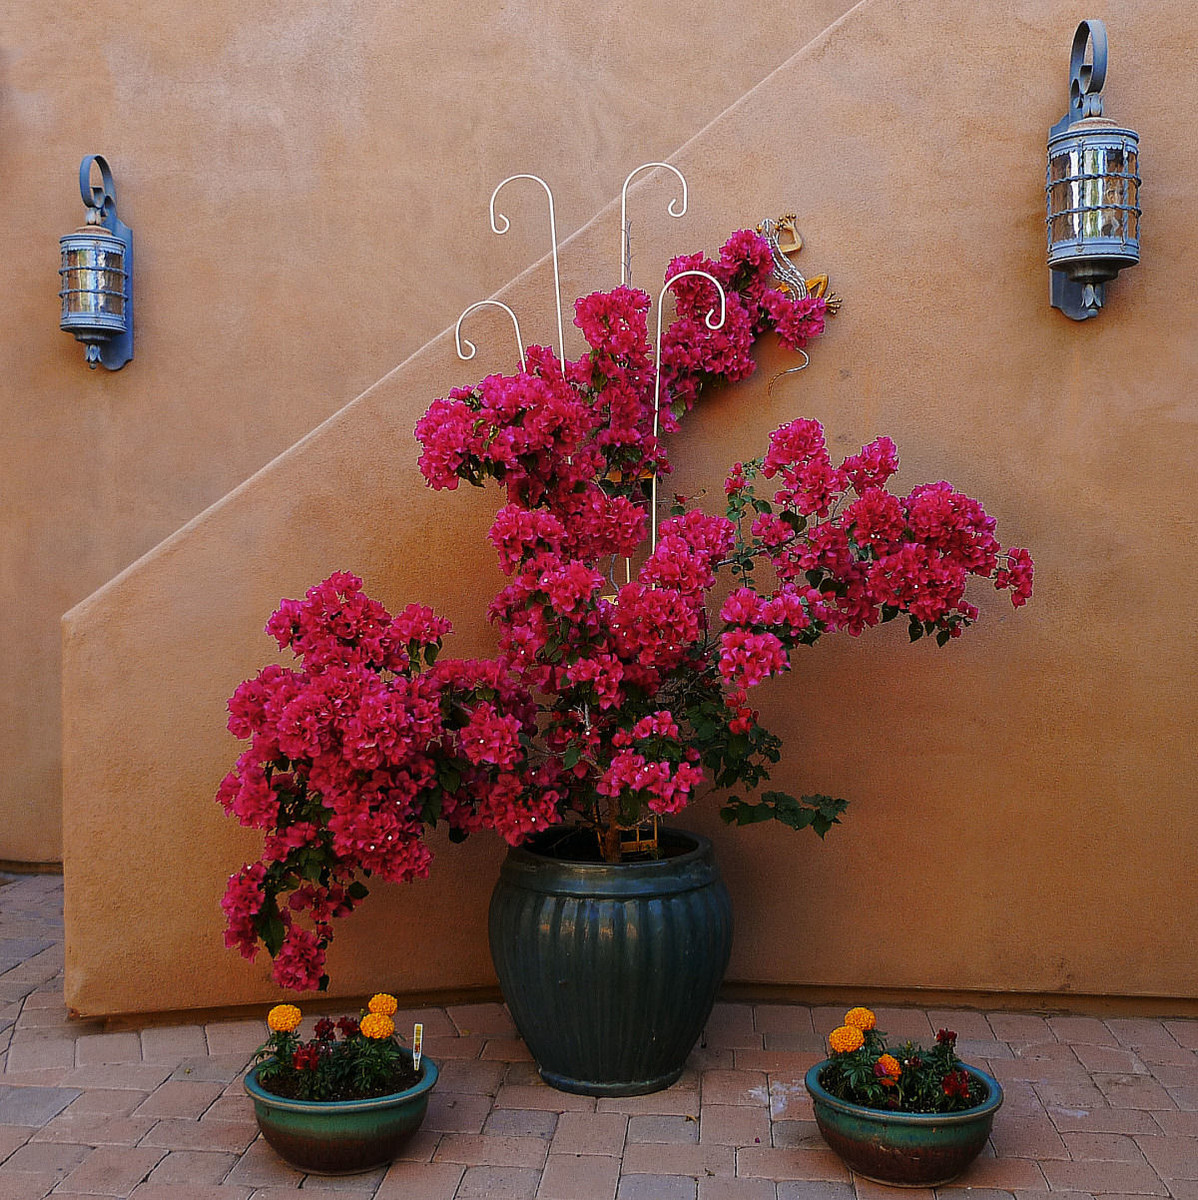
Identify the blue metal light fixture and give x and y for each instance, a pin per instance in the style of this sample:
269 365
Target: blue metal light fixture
1092 188
97 274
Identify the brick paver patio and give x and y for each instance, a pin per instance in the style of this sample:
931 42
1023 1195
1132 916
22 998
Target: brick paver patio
1093 1108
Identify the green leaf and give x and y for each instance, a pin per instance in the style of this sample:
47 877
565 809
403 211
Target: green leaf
430 812
271 926
571 756
915 630
457 835
943 636
449 777
745 814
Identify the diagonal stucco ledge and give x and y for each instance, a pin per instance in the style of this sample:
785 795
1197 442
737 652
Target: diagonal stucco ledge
1007 793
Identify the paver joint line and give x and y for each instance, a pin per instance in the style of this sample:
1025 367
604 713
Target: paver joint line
1093 1106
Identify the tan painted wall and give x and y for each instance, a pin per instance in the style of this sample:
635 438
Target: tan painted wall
307 183
1023 809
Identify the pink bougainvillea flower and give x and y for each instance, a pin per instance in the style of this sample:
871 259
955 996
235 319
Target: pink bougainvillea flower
618 685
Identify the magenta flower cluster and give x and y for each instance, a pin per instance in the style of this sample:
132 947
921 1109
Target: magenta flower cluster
615 693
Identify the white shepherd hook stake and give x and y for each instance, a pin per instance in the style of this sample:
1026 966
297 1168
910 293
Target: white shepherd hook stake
657 380
625 254
557 286
459 340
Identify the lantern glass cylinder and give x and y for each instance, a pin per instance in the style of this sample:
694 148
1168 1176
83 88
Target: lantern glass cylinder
1093 193
93 284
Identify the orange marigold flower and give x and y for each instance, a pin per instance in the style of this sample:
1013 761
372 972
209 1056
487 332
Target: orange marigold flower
377 1026
860 1018
283 1018
383 1003
846 1039
890 1065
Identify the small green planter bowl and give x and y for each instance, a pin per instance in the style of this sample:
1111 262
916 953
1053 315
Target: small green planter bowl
341 1137
904 1149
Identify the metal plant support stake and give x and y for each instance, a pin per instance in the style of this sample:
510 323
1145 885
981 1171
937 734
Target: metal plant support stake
459 341
626 260
625 251
657 376
557 285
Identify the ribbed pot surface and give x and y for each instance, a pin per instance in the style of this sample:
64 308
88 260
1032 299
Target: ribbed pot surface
610 970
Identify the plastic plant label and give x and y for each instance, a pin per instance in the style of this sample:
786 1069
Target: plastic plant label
417 1045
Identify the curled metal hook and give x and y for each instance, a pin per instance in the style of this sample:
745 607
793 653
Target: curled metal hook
459 340
557 286
625 256
789 371
711 324
1086 80
103 197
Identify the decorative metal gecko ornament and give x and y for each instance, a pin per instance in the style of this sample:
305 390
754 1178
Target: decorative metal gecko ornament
783 239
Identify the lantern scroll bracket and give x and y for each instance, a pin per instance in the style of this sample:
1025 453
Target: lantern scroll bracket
1086 80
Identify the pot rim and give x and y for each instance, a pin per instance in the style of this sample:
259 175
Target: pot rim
990 1105
425 1083
532 870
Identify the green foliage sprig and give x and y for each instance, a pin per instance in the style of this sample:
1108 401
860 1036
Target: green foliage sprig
863 1069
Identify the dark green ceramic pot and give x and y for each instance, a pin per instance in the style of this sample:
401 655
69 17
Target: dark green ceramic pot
904 1149
341 1137
610 970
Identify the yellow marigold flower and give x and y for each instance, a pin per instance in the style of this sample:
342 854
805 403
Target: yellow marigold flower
283 1018
377 1026
860 1018
890 1065
382 1003
846 1039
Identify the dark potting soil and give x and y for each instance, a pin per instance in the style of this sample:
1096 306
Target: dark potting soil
401 1079
578 845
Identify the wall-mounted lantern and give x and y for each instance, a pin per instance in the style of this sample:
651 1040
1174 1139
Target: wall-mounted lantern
97 274
1093 187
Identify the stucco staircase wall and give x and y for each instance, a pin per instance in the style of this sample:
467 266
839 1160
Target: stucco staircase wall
1008 793
303 180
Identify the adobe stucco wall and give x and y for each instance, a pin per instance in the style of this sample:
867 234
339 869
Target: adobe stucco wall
307 184
1023 813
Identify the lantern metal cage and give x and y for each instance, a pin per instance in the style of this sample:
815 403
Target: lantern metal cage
1092 187
97 274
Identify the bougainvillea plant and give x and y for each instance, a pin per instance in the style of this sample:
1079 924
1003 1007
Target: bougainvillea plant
864 1070
620 686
